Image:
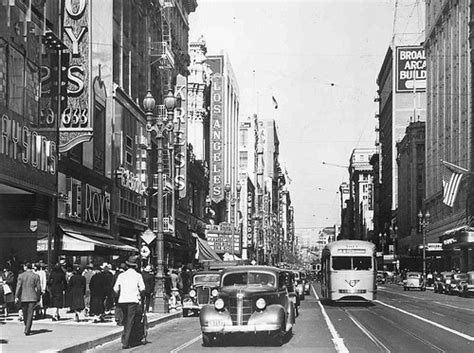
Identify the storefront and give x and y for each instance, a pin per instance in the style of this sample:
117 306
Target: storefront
458 247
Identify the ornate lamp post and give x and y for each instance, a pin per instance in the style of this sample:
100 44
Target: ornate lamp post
423 221
160 128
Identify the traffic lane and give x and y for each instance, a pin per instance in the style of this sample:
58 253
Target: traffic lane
310 334
451 311
375 327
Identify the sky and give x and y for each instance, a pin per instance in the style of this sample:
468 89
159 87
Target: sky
320 60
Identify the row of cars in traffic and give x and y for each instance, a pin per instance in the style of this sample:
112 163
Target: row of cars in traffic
257 300
453 283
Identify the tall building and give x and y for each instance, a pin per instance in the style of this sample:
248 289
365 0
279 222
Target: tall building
411 186
402 99
361 193
449 124
346 211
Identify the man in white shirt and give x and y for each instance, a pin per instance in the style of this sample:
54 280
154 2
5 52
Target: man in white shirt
129 287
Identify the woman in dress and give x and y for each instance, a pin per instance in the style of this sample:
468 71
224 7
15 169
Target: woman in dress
57 284
77 288
8 279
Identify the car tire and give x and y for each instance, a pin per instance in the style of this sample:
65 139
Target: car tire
208 340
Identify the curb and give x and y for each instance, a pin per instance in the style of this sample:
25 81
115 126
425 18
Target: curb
81 347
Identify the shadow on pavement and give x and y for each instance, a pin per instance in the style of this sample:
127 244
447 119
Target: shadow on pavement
2 341
361 304
38 332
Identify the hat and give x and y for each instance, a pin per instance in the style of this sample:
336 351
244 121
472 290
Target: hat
147 268
132 261
90 265
105 266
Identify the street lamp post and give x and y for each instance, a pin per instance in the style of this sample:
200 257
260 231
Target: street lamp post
161 128
423 221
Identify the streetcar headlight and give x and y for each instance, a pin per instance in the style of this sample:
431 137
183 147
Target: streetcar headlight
219 304
261 304
214 292
192 293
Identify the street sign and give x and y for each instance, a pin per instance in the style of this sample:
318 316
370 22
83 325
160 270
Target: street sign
148 236
434 247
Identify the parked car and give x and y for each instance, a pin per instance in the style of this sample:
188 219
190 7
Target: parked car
306 283
442 280
290 287
253 300
299 286
414 280
457 280
380 277
466 288
204 290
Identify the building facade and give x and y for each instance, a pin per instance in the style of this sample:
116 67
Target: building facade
449 126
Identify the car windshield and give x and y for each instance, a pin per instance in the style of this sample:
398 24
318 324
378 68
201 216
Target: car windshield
248 278
207 277
358 263
413 275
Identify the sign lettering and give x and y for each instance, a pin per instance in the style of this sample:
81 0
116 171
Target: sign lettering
411 69
216 172
180 149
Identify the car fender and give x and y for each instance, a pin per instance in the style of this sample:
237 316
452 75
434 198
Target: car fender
209 313
273 314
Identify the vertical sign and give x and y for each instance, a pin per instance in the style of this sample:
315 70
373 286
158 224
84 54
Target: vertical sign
216 166
180 151
75 125
411 69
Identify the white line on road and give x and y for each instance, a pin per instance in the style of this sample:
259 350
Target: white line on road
453 306
337 340
187 344
469 338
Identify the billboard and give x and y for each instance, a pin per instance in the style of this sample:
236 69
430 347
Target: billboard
216 166
410 69
220 237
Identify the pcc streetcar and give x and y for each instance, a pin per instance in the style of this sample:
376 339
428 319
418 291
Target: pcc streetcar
349 271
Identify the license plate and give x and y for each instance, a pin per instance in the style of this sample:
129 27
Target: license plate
216 323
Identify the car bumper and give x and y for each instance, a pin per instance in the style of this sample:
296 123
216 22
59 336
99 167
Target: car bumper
241 328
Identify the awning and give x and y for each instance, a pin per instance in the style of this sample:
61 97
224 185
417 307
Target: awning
204 252
74 241
463 228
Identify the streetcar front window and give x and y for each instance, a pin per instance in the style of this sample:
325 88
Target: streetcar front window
357 263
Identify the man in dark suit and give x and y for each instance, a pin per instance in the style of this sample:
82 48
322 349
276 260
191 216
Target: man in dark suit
28 292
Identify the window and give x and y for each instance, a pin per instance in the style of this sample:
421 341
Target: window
361 263
16 80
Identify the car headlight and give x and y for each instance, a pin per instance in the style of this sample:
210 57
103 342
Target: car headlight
192 293
261 304
214 292
219 304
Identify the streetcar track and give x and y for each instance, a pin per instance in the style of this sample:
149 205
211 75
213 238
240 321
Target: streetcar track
366 331
408 332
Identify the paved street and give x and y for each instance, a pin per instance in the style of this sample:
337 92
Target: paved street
397 321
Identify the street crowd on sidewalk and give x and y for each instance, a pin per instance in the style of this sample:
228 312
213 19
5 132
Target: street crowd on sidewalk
86 293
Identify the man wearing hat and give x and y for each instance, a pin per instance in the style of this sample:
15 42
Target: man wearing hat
28 292
88 273
129 287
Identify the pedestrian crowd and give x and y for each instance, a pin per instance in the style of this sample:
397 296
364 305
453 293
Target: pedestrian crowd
86 291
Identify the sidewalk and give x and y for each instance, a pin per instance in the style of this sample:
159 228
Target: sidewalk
65 335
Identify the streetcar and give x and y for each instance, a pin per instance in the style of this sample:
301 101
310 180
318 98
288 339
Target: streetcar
348 271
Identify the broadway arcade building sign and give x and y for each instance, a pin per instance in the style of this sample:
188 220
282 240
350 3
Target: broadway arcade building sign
411 69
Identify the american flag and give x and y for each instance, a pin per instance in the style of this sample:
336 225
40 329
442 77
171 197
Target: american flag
452 176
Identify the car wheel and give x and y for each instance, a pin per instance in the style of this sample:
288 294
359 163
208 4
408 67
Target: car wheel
208 340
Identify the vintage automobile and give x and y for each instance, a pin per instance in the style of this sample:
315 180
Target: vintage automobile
466 288
414 280
306 283
290 287
457 280
380 277
253 300
204 290
442 282
299 285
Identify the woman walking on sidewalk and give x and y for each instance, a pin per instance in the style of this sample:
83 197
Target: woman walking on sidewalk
77 288
57 283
